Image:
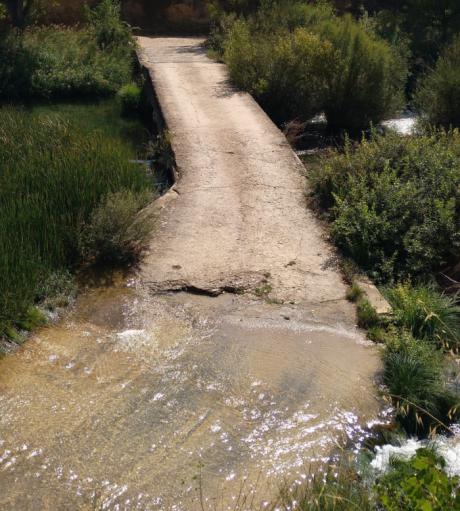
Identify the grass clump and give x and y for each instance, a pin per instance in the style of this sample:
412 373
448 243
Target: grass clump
341 488
354 293
52 177
413 374
427 314
438 94
129 98
367 315
393 202
117 231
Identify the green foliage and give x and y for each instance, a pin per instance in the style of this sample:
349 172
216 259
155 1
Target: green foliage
354 293
299 59
59 62
367 315
413 374
70 64
287 73
129 97
368 77
428 314
17 65
106 25
393 202
52 176
30 319
341 488
438 95
419 484
116 231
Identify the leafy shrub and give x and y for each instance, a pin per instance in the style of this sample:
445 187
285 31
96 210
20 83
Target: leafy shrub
299 59
107 26
287 73
52 176
17 65
367 80
438 95
413 373
426 313
59 62
129 97
116 231
70 64
418 484
393 202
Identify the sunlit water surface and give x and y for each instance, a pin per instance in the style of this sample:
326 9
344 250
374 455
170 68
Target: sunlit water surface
176 402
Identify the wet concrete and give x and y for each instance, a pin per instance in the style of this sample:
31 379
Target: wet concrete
176 402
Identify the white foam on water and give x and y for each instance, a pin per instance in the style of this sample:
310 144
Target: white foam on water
447 447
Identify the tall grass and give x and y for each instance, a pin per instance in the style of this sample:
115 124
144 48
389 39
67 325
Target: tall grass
52 176
428 314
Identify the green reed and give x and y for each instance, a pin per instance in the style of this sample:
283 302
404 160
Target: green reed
52 175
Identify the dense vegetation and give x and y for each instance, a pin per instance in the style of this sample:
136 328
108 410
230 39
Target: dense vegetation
68 192
438 93
53 175
393 202
300 60
354 67
417 484
59 62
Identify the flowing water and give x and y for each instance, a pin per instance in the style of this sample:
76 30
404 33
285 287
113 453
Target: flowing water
173 401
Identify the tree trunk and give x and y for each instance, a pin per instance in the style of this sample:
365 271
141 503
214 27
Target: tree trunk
18 11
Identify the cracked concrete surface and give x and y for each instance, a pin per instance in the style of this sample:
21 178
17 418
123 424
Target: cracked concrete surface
238 218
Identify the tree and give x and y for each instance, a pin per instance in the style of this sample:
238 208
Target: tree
18 11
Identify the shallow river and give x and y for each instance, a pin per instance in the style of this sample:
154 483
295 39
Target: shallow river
176 402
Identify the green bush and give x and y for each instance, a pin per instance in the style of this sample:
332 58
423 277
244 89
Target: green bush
60 62
427 314
129 97
287 73
70 64
17 66
52 176
107 26
117 230
299 60
367 80
413 374
393 202
418 484
367 315
438 95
